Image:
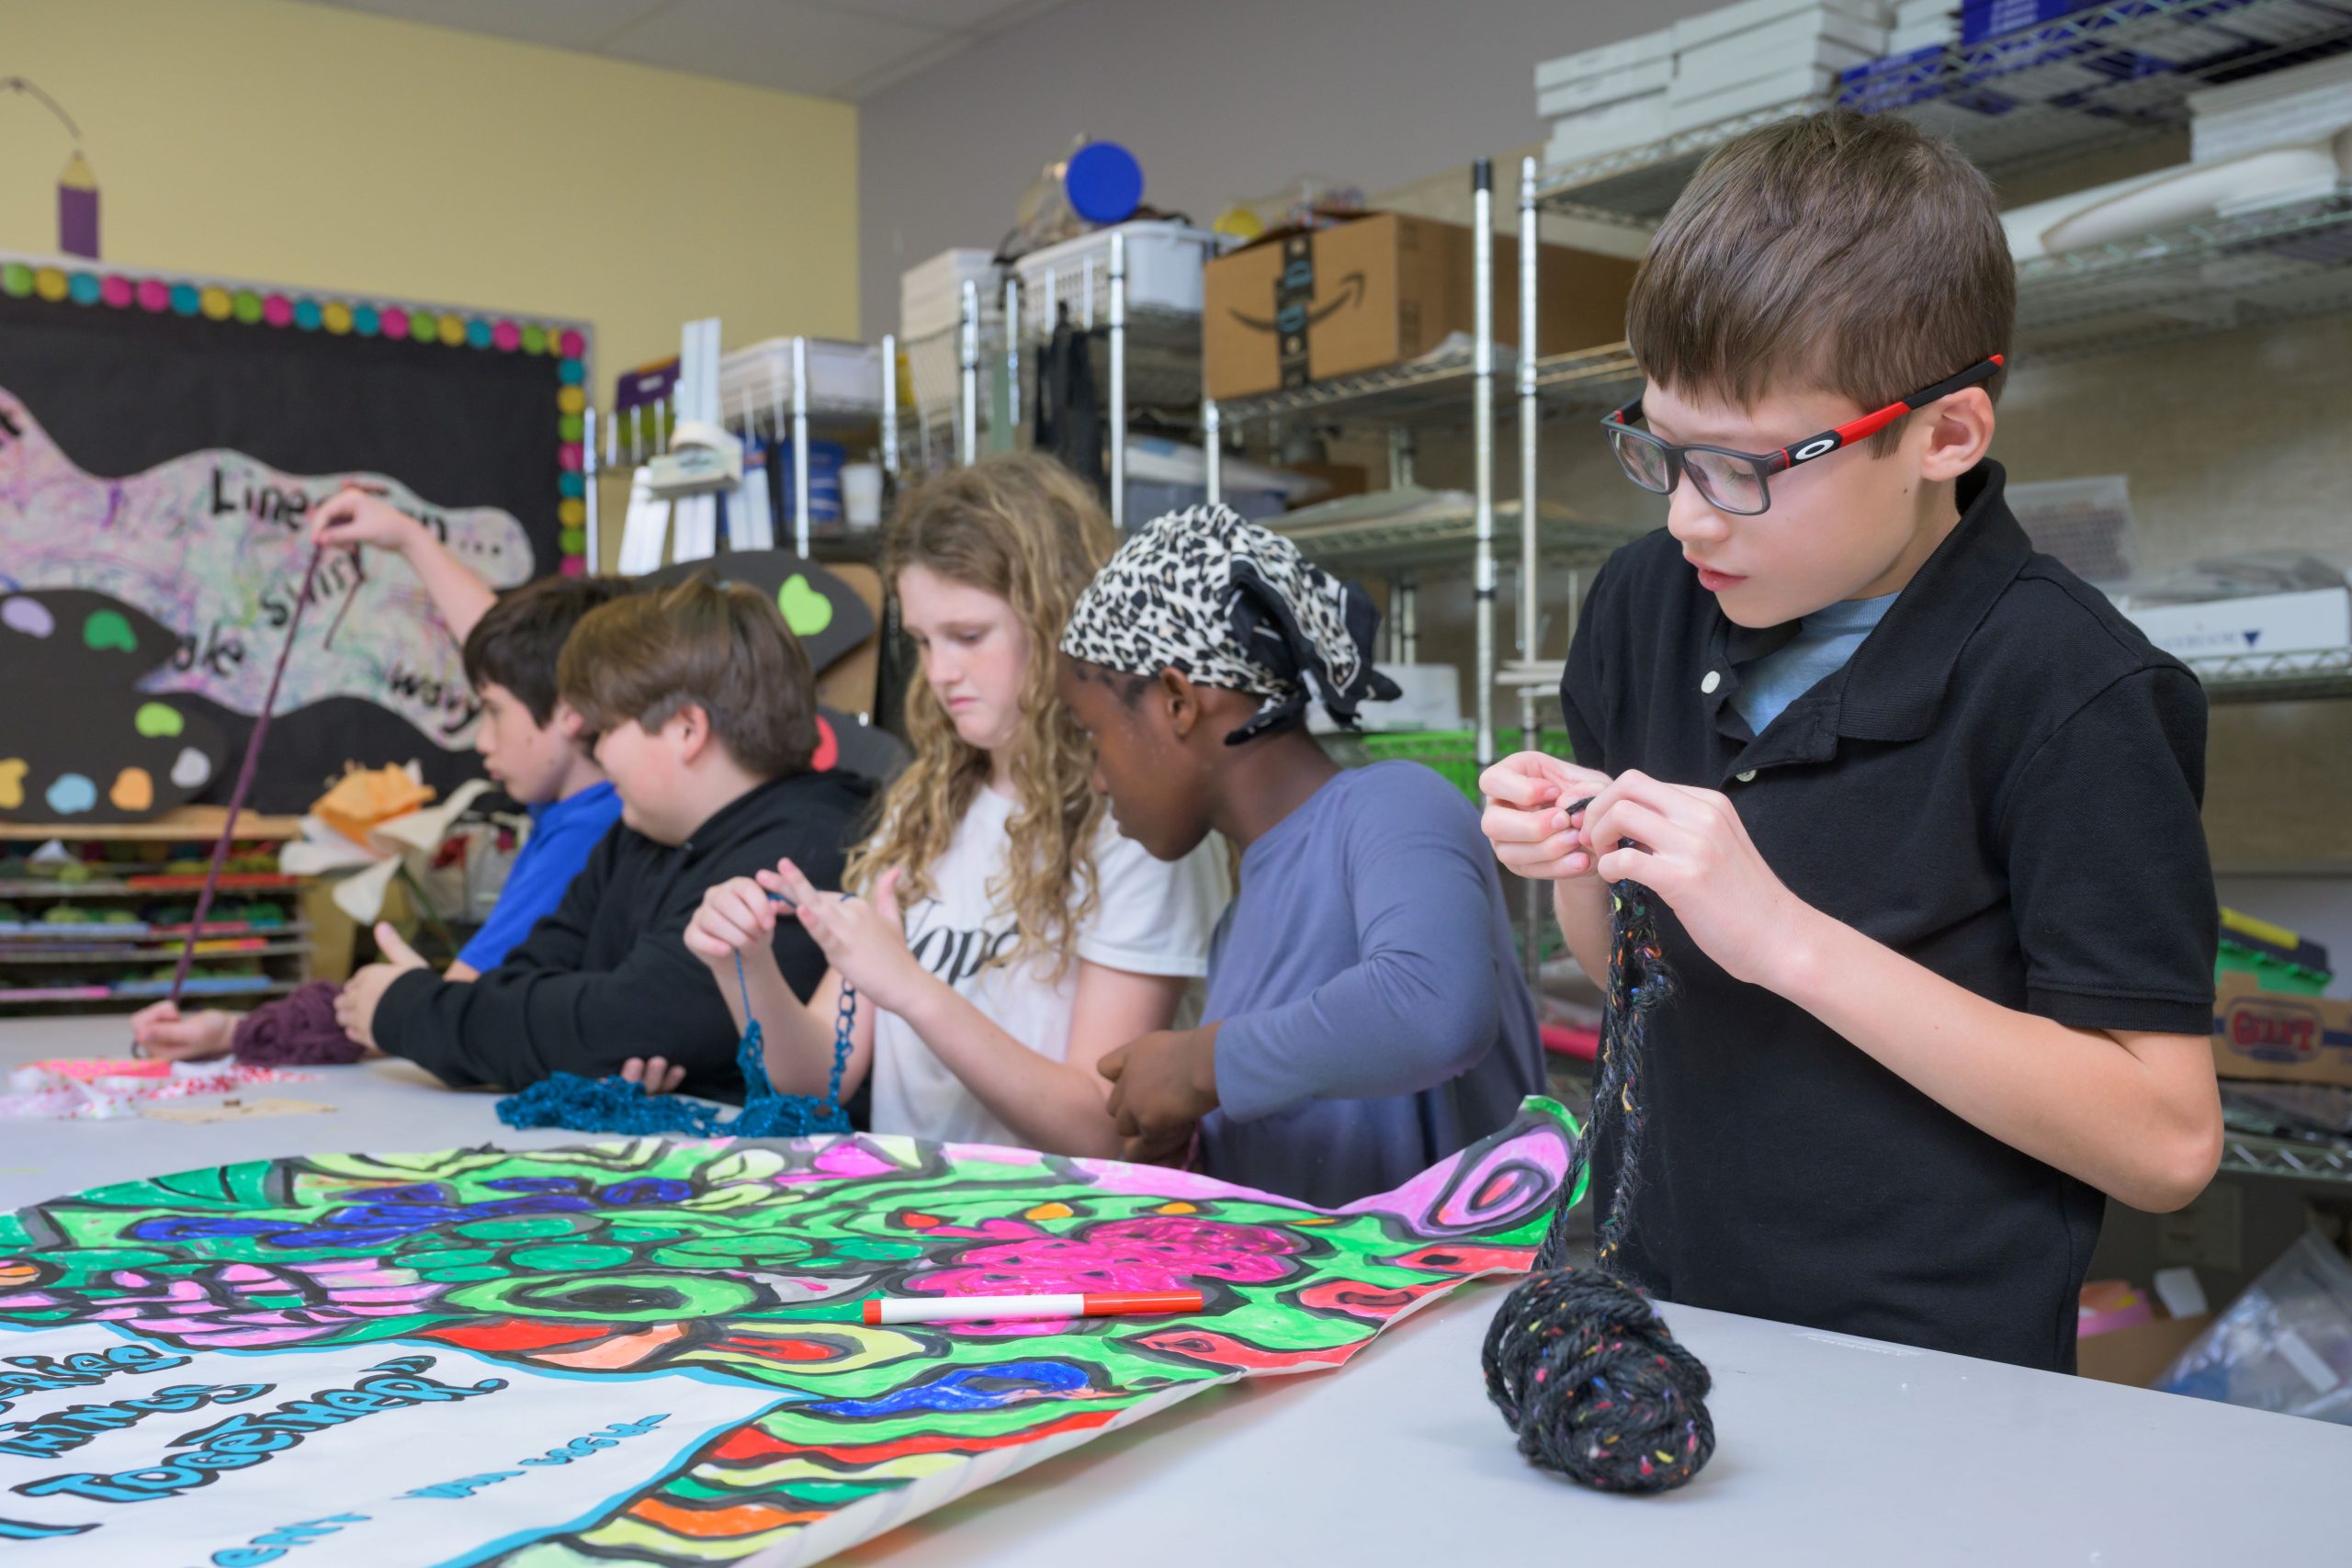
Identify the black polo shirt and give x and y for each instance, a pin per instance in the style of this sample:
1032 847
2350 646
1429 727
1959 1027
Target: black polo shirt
2002 784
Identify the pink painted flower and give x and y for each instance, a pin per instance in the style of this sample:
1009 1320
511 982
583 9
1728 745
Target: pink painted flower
1155 1252
219 1309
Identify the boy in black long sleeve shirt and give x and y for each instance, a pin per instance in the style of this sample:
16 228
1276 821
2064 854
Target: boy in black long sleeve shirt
703 713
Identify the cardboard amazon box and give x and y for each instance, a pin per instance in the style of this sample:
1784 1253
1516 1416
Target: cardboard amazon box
1308 306
2140 1354
2281 1036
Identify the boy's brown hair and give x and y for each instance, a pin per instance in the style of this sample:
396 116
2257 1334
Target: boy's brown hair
518 639
1835 253
723 648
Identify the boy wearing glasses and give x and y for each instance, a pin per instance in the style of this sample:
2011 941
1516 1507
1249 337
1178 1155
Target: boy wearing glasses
1920 807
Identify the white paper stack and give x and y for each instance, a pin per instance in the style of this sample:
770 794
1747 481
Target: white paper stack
1923 24
1758 53
930 293
1607 98
2302 103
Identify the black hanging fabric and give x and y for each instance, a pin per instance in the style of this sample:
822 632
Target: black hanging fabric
1069 413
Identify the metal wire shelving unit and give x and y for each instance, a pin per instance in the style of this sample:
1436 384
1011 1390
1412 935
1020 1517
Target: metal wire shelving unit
1145 359
1974 95
798 415
2250 1155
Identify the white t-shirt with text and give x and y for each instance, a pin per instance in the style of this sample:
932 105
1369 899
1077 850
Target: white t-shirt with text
1151 917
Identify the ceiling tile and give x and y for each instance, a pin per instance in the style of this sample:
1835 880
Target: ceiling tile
785 44
561 24
977 17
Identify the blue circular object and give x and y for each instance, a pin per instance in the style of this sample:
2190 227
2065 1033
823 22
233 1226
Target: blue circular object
366 319
570 372
1103 182
83 288
185 300
478 332
571 485
306 314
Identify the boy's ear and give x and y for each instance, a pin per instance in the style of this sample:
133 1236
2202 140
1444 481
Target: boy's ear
1959 432
691 723
565 720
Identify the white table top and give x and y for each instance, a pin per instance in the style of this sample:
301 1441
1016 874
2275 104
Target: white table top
1830 1450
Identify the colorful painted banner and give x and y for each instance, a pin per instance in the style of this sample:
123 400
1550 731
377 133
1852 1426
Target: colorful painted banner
213 546
647 1351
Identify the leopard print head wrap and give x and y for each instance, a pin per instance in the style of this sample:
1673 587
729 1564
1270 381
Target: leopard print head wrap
1230 605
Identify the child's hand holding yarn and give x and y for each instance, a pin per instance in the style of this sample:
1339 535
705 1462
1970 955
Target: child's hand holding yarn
1527 817
864 940
1161 1084
737 917
1691 850
159 1030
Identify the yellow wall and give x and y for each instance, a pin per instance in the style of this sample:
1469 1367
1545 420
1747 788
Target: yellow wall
310 145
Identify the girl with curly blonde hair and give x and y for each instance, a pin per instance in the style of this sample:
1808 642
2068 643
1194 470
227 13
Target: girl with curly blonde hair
1009 937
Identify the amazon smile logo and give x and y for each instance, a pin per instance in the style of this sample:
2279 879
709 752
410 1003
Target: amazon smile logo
1293 318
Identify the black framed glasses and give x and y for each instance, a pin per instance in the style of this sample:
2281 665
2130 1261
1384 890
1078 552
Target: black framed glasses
1738 483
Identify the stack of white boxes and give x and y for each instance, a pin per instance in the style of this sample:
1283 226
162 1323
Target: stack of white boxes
1725 63
930 293
1761 53
1605 99
1923 24
2302 103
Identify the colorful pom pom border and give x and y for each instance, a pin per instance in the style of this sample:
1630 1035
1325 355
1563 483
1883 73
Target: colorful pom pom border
67 281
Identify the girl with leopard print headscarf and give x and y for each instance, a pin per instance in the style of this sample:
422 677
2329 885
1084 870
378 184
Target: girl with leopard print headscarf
1366 1014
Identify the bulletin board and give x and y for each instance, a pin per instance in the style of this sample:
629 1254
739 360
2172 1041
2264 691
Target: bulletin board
164 439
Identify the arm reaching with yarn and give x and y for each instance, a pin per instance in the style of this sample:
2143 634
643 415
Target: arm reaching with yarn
353 518
2135 1113
1056 1106
736 926
159 1030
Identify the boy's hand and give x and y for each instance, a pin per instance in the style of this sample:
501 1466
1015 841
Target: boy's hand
1691 850
1526 818
863 938
353 518
736 917
1161 1084
654 1075
356 1004
161 1032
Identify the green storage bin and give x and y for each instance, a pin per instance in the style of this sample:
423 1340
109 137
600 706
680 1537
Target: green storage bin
1453 752
2273 973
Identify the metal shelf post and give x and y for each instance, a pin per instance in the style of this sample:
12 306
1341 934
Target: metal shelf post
800 445
1011 435
1119 380
1213 448
594 558
1530 413
890 405
967 411
1482 416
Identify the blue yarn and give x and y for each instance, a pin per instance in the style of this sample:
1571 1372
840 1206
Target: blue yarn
615 1105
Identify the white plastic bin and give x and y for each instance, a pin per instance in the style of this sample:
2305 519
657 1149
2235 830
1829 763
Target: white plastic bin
844 378
1164 261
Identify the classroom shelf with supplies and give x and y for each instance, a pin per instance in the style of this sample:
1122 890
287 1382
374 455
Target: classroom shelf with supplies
93 917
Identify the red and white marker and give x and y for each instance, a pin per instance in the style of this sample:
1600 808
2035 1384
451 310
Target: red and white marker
973 1309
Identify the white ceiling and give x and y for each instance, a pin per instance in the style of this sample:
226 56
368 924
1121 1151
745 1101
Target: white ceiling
831 49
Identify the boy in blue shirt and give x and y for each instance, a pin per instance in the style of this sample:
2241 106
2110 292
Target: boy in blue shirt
509 647
1919 809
